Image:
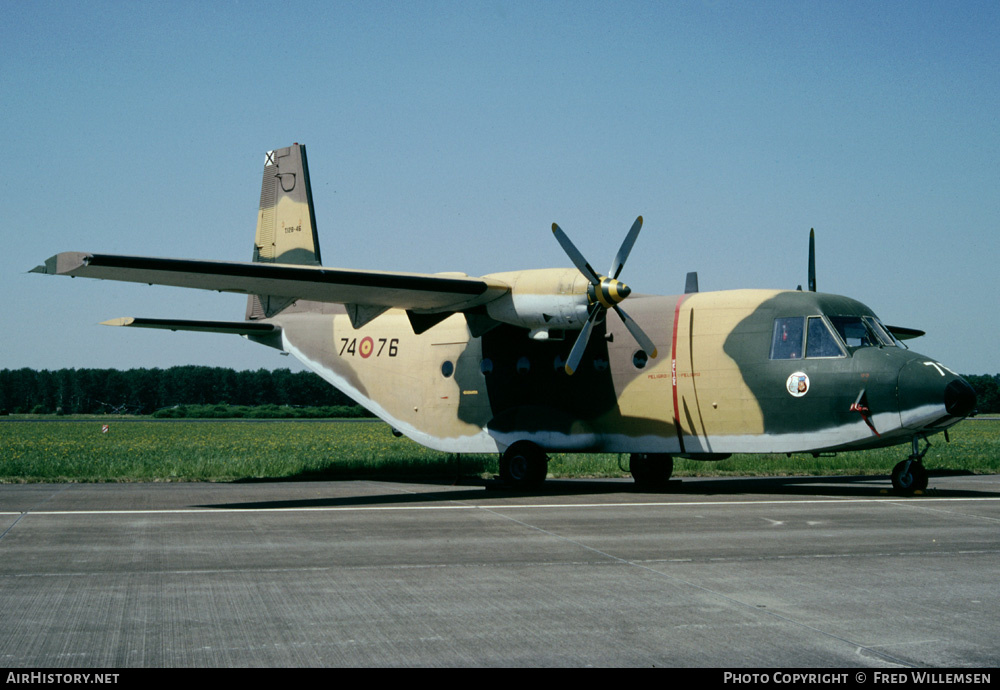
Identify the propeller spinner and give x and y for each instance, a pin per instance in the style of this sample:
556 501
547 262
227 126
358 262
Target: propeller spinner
604 293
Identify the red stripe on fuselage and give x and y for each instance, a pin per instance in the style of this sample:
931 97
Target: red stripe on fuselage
673 371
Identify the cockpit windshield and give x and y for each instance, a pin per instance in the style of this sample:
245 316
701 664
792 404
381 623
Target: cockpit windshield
854 332
888 333
862 331
795 337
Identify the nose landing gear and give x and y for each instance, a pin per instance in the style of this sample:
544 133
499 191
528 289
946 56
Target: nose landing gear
910 475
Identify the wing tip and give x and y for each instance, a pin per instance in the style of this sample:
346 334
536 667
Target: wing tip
63 263
120 321
47 268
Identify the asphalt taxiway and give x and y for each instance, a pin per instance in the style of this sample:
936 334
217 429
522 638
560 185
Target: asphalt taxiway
712 572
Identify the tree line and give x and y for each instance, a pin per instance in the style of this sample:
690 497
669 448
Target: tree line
144 391
987 391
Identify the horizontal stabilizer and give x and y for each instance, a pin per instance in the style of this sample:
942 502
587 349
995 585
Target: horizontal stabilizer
421 291
231 327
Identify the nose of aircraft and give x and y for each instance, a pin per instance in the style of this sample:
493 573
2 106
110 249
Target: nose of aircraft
959 398
932 396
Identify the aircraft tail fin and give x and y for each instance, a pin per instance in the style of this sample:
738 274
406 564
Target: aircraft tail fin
286 222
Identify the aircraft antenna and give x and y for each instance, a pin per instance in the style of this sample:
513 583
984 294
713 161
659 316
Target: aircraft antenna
812 260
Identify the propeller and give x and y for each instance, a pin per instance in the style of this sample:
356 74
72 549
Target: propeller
604 293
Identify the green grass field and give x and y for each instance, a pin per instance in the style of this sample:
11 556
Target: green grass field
133 450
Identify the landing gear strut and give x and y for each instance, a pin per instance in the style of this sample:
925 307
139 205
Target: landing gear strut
910 475
651 470
524 464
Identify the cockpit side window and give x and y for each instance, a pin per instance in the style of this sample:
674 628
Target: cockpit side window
821 342
787 339
795 335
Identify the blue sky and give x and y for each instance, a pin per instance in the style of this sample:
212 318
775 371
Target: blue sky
448 136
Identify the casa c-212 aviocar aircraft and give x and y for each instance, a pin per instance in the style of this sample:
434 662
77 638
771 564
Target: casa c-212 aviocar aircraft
529 362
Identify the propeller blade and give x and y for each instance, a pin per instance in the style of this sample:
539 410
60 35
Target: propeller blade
606 293
575 255
640 336
576 354
626 248
812 260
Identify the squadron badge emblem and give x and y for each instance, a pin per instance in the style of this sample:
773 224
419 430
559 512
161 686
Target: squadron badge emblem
797 384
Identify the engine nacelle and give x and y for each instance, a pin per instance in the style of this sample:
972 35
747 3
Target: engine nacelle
542 299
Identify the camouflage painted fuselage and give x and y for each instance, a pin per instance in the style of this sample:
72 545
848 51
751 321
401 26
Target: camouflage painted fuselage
713 389
477 364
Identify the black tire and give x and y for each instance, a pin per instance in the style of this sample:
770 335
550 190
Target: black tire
651 470
524 464
909 477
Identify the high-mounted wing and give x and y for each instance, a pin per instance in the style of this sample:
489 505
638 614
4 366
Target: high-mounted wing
425 292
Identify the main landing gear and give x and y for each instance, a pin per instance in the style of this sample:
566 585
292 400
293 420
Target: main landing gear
524 465
651 470
910 475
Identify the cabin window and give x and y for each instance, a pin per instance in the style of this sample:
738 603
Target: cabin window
486 366
523 365
447 369
820 340
786 342
639 359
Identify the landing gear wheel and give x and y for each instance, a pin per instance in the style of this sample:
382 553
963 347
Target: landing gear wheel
651 470
909 476
524 464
